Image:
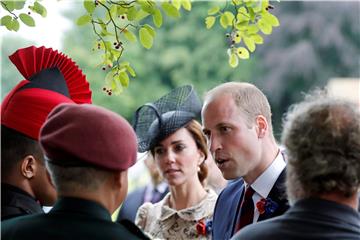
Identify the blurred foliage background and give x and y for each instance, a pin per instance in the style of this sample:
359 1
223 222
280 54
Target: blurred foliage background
316 41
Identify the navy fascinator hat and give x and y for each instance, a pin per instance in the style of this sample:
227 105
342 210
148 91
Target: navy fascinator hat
158 120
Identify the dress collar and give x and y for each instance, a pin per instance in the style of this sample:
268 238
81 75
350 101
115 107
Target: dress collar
194 213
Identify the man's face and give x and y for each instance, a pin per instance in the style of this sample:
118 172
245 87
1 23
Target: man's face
234 145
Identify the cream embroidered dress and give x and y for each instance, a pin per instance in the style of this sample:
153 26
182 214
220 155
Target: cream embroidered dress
162 222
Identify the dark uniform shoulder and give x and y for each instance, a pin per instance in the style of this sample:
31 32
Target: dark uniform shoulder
131 227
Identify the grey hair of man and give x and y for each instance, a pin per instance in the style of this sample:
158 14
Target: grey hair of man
250 100
73 179
322 138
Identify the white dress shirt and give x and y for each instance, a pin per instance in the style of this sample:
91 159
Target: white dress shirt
265 182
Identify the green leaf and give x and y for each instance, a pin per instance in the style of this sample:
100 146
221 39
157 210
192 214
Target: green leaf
113 11
150 30
129 35
213 10
237 2
264 26
145 38
15 25
147 7
257 39
10 5
209 21
90 6
19 4
176 4
131 14
250 44
157 18
27 20
121 10
243 53
233 60
271 19
83 20
141 14
252 14
170 10
251 29
5 20
124 79
186 4
130 70
224 21
39 9
109 77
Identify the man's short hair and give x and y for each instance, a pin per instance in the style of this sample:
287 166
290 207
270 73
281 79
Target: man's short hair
251 101
15 146
72 179
322 138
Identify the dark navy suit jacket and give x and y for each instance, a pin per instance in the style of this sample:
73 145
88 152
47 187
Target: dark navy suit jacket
227 209
308 219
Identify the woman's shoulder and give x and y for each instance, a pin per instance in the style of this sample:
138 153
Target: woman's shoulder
149 209
147 213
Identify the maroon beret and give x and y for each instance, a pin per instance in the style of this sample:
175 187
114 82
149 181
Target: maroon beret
88 135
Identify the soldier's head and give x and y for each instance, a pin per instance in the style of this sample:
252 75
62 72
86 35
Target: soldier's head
88 150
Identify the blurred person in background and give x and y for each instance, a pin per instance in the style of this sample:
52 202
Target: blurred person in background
322 139
152 192
51 78
168 129
91 181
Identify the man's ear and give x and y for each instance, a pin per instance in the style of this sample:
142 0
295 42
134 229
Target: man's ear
120 179
262 126
28 166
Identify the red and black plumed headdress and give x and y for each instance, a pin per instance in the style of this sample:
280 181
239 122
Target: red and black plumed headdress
51 78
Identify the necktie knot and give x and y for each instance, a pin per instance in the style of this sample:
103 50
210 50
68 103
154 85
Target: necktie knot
249 192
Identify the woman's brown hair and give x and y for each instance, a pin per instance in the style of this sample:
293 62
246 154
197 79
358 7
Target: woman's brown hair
195 130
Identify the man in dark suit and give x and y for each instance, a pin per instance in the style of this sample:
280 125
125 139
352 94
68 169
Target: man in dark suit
153 192
25 186
237 121
322 138
88 151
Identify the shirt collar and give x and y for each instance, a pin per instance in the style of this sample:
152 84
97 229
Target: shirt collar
265 182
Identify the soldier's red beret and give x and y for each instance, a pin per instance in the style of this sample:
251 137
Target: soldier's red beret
87 135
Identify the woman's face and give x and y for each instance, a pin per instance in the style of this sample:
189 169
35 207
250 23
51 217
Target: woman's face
178 157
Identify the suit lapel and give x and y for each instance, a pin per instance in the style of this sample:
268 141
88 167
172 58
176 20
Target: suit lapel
236 205
278 195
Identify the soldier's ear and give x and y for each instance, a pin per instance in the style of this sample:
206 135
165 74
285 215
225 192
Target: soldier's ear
120 179
261 126
28 166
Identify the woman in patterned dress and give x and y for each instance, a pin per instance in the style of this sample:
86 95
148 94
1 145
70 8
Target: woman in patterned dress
186 211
